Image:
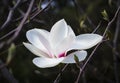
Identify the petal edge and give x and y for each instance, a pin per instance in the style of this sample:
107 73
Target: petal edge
35 50
86 41
70 58
46 62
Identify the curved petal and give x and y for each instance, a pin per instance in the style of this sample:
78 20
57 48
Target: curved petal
47 62
58 32
39 38
70 58
64 45
35 50
86 41
43 32
70 31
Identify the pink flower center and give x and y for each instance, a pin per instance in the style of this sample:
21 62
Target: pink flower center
61 55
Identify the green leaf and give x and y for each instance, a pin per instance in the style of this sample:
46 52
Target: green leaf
11 52
108 35
76 59
82 25
105 15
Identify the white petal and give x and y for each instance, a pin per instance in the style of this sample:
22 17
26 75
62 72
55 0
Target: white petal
39 38
58 32
35 50
70 31
86 41
46 62
64 45
43 32
70 58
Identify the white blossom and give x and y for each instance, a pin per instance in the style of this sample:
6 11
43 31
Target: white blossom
52 47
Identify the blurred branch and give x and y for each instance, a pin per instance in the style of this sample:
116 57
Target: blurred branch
111 22
58 76
115 49
97 27
6 74
84 77
8 34
10 15
24 21
83 67
111 46
39 11
36 11
118 3
18 29
108 26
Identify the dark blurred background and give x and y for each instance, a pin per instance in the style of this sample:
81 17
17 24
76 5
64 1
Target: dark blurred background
82 15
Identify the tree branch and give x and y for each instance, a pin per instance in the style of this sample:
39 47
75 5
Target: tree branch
10 15
18 29
115 49
108 26
6 74
58 76
25 21
39 11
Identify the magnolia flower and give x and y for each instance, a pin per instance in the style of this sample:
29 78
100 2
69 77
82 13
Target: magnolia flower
52 47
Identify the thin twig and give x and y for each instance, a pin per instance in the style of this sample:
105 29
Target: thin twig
97 27
11 32
116 52
58 76
10 15
110 23
26 21
108 26
115 49
18 29
84 77
83 67
39 11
